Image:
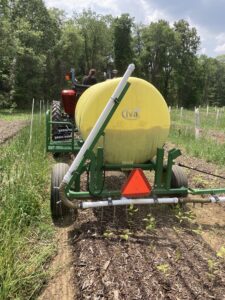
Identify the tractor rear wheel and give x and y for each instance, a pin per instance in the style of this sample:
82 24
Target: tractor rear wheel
56 116
179 178
61 214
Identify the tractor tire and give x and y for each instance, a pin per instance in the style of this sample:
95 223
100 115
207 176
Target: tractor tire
56 116
179 178
56 110
62 216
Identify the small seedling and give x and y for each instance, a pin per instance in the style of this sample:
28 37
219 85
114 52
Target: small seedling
150 222
182 215
164 268
177 230
178 254
152 247
221 252
212 265
198 230
107 234
132 210
125 235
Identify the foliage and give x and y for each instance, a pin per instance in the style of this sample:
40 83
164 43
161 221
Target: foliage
97 41
38 46
122 42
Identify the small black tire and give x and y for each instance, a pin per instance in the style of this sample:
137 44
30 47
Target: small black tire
62 215
178 178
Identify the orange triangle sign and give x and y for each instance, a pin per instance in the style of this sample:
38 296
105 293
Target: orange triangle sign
137 185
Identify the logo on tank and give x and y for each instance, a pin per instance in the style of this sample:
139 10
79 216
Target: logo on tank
131 114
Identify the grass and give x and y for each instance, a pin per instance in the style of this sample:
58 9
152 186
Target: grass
10 115
182 134
25 231
206 121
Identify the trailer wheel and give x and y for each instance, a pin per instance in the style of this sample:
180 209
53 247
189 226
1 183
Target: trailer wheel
56 116
61 215
179 178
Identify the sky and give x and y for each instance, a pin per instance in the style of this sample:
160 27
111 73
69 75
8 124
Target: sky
207 16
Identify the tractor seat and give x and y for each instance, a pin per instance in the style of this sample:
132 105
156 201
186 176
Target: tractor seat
80 88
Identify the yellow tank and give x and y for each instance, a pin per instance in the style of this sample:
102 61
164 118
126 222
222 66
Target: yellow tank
140 124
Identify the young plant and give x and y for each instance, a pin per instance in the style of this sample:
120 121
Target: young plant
198 230
150 222
132 210
182 215
126 234
107 234
163 268
212 265
221 252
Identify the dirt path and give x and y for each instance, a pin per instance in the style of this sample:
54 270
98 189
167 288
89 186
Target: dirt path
111 254
10 128
61 285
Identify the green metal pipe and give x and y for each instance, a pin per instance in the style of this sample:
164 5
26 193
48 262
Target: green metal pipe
116 167
206 191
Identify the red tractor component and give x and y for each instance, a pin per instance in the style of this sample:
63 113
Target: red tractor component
69 101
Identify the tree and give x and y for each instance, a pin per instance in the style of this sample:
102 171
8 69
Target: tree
123 42
8 46
186 74
97 41
138 46
34 30
159 54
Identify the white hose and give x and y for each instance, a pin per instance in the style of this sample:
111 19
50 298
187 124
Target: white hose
100 121
125 201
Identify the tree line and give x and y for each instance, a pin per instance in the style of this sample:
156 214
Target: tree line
38 46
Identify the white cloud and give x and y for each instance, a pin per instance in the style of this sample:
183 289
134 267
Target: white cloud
220 43
100 7
147 11
220 48
203 50
221 38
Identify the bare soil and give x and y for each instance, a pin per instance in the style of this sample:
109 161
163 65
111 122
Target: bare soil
61 285
111 255
10 128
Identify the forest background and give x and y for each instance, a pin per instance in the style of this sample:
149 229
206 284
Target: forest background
38 46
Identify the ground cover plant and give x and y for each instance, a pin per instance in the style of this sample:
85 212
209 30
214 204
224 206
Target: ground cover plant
210 144
12 114
25 226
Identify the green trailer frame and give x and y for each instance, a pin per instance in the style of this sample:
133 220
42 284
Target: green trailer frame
93 163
